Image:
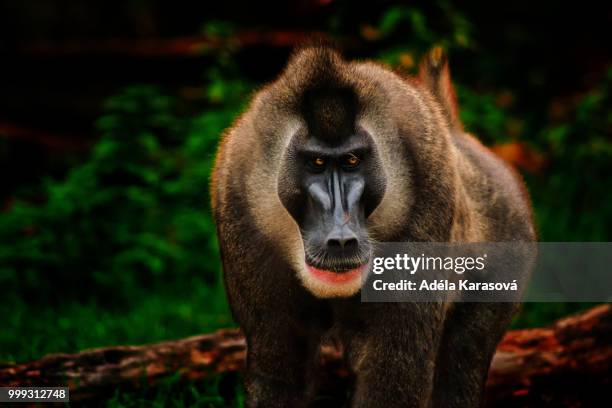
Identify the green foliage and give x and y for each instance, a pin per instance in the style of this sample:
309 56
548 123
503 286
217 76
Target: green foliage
31 330
221 391
136 213
574 202
481 116
123 249
411 22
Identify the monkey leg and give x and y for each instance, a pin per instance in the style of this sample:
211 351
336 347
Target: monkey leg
280 366
393 356
471 334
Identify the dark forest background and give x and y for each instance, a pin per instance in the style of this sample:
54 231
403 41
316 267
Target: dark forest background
110 113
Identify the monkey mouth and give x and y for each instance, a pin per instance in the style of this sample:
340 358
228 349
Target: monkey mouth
338 270
334 276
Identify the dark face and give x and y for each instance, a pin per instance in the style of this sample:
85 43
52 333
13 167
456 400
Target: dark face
330 189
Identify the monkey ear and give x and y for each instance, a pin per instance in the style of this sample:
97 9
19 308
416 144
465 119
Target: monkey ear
435 76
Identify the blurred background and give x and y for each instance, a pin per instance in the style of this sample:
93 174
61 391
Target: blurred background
110 113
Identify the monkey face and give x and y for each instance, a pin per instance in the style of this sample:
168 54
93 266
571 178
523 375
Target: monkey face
330 189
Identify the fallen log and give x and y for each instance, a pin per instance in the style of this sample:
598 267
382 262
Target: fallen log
566 364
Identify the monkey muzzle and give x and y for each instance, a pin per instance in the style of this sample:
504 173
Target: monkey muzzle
337 248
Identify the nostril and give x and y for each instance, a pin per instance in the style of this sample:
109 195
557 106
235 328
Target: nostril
334 243
350 243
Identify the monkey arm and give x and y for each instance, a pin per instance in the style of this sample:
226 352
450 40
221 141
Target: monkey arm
281 365
470 337
406 378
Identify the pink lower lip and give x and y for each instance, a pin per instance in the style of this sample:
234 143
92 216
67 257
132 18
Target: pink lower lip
335 277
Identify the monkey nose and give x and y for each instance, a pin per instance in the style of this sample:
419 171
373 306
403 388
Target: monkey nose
341 239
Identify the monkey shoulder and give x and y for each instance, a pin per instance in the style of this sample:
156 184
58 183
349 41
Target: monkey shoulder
497 190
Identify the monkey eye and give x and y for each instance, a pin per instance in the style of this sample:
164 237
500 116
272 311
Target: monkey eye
351 161
317 163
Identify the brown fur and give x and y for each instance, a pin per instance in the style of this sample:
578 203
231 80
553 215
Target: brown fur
442 186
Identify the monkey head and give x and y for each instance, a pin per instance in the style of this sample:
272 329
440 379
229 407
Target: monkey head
329 168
